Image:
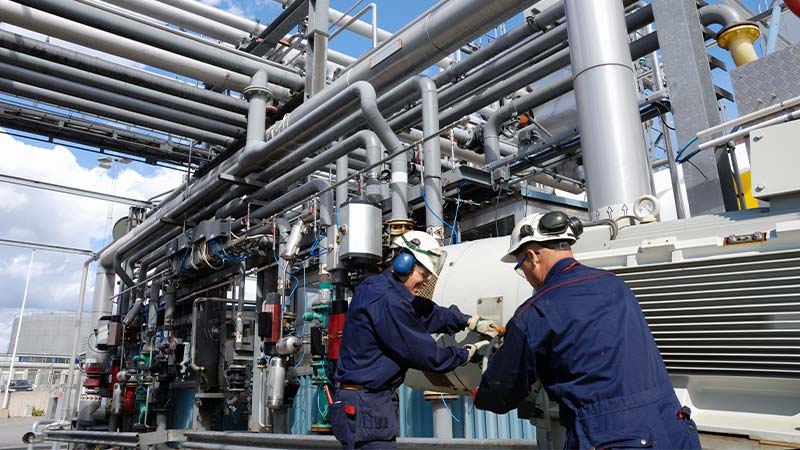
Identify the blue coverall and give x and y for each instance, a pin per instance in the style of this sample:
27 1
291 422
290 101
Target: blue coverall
583 335
387 331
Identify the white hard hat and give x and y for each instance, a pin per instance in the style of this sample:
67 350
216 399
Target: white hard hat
425 248
543 227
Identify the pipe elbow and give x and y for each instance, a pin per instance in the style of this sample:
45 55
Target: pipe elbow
737 34
720 14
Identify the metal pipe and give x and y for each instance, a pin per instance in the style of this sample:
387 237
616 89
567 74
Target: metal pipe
52 25
101 94
91 64
249 27
737 34
745 131
432 157
769 110
604 85
369 30
536 23
341 174
167 39
171 14
774 27
80 104
504 63
65 405
430 38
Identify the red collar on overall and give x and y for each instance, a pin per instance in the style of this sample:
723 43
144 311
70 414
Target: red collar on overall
568 264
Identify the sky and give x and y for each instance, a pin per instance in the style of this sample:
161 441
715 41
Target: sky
50 218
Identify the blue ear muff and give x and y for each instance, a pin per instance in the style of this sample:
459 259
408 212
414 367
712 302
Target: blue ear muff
403 264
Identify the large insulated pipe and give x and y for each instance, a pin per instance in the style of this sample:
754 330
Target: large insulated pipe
614 154
422 44
167 39
366 30
94 65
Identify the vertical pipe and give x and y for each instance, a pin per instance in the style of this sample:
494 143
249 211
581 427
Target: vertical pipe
317 52
442 418
432 157
612 141
19 328
65 404
341 174
169 304
774 26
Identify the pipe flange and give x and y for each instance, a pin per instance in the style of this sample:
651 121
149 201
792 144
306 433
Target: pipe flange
399 227
737 30
252 90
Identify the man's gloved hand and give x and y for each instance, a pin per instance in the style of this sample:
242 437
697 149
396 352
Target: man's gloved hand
483 326
474 350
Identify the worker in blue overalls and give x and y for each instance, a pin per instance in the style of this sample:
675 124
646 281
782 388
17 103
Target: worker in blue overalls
387 331
583 335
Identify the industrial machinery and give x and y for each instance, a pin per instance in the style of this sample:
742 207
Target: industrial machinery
221 309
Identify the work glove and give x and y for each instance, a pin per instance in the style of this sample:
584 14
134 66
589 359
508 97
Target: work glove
483 326
474 350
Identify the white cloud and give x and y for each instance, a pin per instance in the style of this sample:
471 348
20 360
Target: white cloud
53 218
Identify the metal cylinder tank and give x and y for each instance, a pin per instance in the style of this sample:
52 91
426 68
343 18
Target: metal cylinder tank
474 279
275 382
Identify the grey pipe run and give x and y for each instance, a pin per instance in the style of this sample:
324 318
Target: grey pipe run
52 25
171 14
506 62
94 65
192 14
542 95
132 94
167 39
363 92
432 158
77 103
120 101
425 42
365 138
607 104
296 195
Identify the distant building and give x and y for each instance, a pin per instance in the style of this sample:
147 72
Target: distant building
49 334
45 345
